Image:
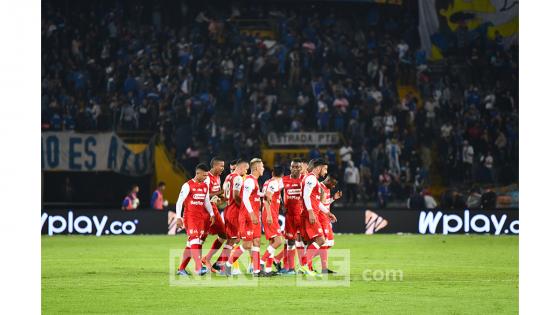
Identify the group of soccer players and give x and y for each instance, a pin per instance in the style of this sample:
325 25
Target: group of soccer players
249 210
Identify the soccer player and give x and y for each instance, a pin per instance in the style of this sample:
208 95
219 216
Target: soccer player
157 201
272 231
232 192
302 242
293 205
313 207
216 193
249 227
326 220
195 199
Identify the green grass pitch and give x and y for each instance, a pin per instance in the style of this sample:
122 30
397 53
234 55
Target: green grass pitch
459 274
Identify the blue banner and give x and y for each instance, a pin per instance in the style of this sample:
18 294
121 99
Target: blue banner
82 152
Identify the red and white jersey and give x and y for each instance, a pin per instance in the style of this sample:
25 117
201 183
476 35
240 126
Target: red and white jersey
273 186
311 193
213 182
292 194
194 198
251 201
326 194
233 182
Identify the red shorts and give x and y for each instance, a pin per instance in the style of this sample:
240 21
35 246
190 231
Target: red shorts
292 226
231 217
247 230
312 231
327 226
218 228
271 230
196 226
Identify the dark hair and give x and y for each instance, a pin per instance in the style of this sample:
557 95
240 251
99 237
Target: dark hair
202 167
215 160
240 161
296 160
317 162
233 162
161 184
277 171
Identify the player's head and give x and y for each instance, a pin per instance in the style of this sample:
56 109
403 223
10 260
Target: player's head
217 165
242 167
232 165
161 186
134 189
257 167
201 172
304 167
319 167
278 171
330 182
295 167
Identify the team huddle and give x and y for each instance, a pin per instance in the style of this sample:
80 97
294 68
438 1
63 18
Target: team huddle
249 210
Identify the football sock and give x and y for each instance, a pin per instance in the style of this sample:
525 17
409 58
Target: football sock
255 257
237 252
323 253
226 251
215 247
311 252
186 258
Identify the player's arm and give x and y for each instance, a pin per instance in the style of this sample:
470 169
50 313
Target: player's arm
125 204
248 187
208 207
153 200
268 200
179 204
309 184
237 184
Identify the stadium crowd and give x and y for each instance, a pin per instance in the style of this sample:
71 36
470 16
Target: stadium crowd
189 73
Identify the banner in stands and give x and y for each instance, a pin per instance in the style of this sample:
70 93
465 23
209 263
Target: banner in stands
495 222
69 151
103 222
303 138
441 20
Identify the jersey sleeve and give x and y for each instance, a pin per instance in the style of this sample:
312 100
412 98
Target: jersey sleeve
310 183
237 183
207 182
248 187
273 187
182 196
207 204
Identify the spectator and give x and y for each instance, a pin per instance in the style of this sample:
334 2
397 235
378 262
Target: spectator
314 153
345 153
474 199
488 199
351 182
487 168
416 202
383 191
468 159
429 201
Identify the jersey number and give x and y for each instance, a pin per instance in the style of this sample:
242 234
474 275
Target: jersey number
226 189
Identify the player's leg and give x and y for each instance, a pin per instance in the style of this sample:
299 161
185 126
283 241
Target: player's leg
246 238
186 252
185 259
218 228
323 251
256 249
